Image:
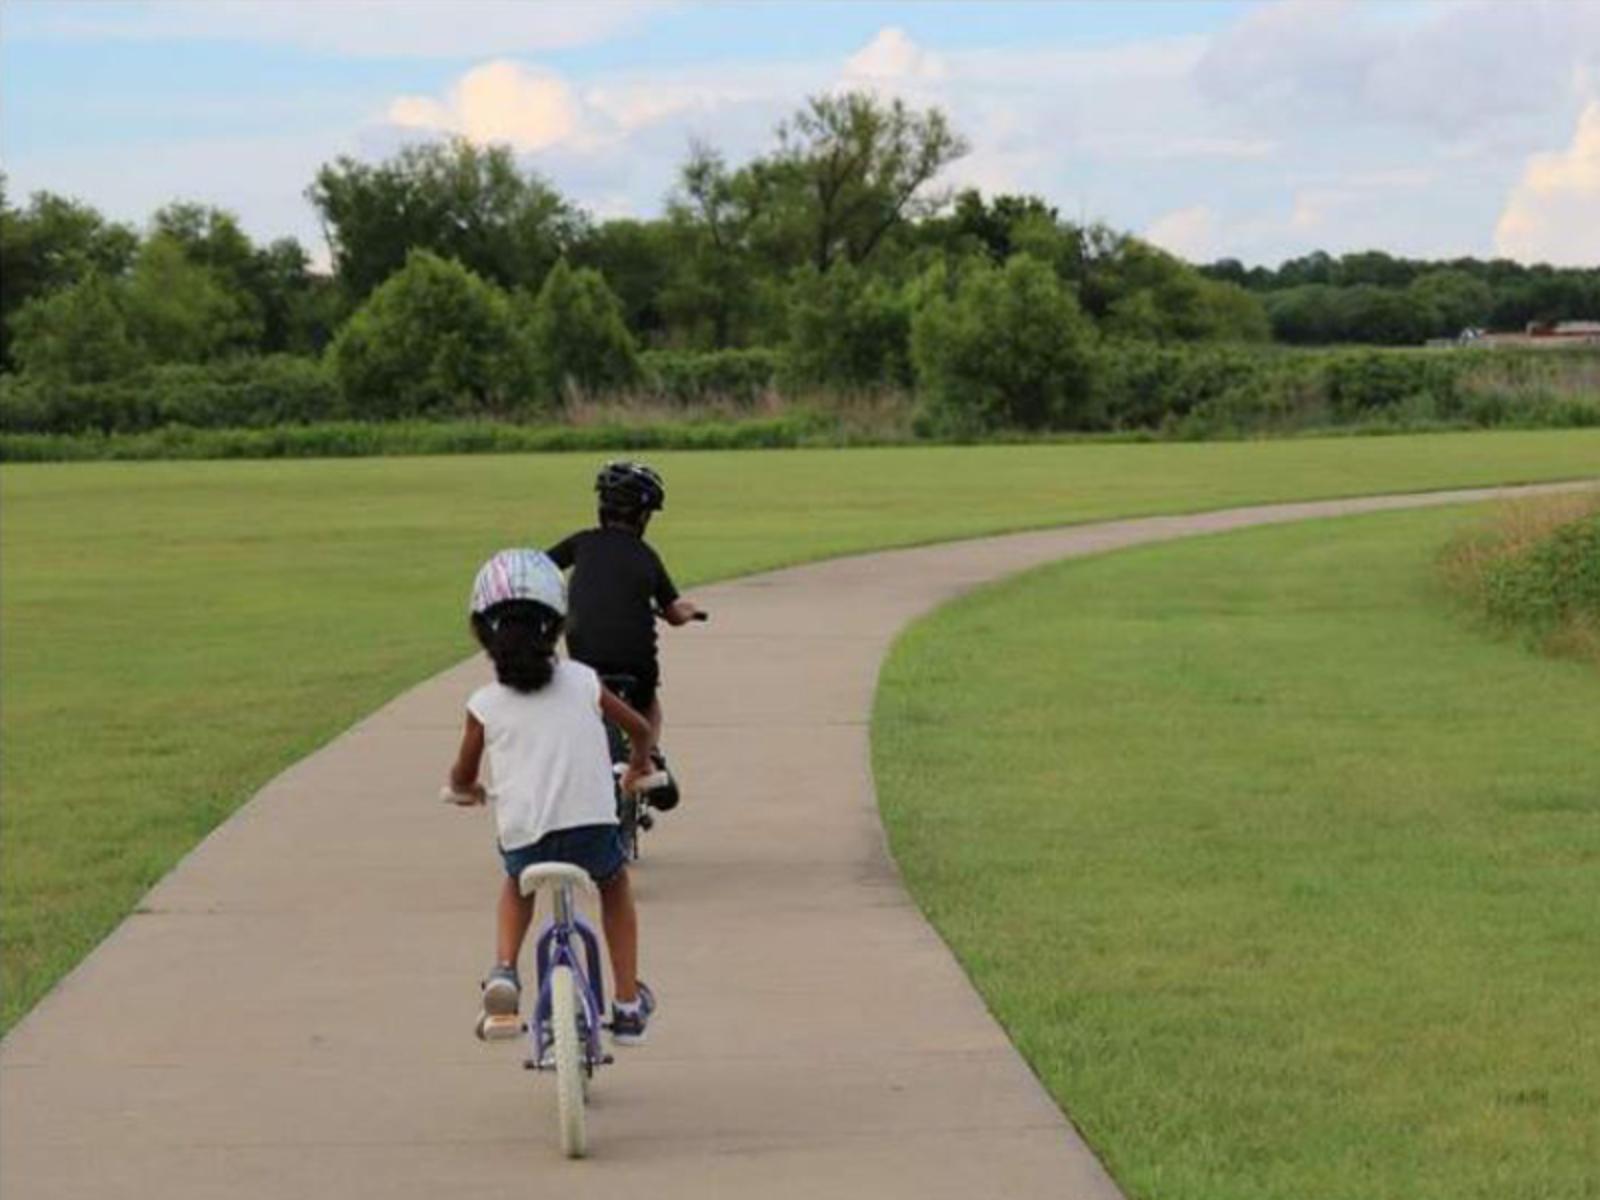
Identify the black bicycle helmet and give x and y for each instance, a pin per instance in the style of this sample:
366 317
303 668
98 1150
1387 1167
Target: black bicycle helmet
630 485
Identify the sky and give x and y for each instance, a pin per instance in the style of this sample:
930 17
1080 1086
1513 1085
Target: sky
1256 130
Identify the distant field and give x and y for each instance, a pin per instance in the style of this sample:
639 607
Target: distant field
174 634
1278 868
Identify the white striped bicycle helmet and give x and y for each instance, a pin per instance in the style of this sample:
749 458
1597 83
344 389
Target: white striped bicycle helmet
519 575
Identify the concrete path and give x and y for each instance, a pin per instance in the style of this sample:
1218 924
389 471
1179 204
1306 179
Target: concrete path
288 1014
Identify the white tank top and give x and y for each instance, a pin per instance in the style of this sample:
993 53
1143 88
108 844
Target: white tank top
549 767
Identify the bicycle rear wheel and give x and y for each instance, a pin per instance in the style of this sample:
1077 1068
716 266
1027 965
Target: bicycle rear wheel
569 1061
628 825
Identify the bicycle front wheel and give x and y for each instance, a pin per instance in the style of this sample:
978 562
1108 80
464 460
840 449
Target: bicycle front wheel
569 1060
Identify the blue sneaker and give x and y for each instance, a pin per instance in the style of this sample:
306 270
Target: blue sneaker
628 1028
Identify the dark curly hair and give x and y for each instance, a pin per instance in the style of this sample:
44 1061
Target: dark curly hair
520 636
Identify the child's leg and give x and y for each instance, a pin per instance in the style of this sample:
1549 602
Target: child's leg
621 923
512 918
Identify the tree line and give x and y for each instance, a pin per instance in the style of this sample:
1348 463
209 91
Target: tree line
1380 298
463 284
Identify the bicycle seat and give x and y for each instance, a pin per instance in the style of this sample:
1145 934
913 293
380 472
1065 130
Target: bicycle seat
553 875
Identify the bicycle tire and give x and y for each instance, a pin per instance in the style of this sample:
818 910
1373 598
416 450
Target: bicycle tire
569 1061
628 827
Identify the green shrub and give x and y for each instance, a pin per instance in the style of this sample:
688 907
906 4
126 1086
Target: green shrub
180 311
76 335
1535 570
1360 384
1556 581
246 392
433 340
1010 348
847 331
577 334
1140 385
355 439
697 376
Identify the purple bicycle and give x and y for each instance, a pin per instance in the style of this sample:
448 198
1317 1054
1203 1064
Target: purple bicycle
564 1028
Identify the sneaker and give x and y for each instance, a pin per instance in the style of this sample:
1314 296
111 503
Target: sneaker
628 1028
502 998
665 797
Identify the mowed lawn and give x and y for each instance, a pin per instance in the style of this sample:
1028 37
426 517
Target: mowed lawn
173 634
1283 874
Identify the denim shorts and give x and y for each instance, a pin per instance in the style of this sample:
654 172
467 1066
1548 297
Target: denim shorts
595 848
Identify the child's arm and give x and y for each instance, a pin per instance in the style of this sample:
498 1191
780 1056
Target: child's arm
464 787
638 730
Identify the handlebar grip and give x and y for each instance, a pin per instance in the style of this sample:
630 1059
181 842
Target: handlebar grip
647 783
701 615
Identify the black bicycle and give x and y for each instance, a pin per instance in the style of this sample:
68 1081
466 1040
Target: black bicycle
658 789
633 807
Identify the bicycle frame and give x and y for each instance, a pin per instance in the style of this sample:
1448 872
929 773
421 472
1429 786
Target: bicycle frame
555 947
631 811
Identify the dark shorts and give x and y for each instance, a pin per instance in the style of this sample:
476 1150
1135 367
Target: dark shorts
595 848
641 693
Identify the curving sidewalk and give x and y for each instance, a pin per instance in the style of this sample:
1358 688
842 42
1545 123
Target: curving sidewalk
288 1014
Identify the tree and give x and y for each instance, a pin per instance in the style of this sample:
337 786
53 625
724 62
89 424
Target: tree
1009 347
180 311
637 260
1461 300
848 330
456 199
209 237
990 226
714 218
1306 315
577 335
299 309
273 285
52 244
1374 267
849 171
1160 298
76 334
1383 316
433 339
862 167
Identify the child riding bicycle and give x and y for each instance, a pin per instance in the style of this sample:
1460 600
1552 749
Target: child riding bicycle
541 725
619 587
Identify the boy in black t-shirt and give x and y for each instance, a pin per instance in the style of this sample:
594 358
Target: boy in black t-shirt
619 586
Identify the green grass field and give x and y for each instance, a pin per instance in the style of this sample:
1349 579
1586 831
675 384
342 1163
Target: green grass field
1280 869
176 633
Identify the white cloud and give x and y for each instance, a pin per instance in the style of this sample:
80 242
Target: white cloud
259 179
892 57
1189 233
1459 68
1295 128
1135 134
1553 214
500 101
366 28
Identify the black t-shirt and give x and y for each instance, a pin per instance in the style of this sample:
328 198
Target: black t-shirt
618 585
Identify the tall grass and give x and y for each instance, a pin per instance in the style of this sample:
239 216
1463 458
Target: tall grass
734 399
1534 570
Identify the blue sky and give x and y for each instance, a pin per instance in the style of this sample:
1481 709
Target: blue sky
1260 130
